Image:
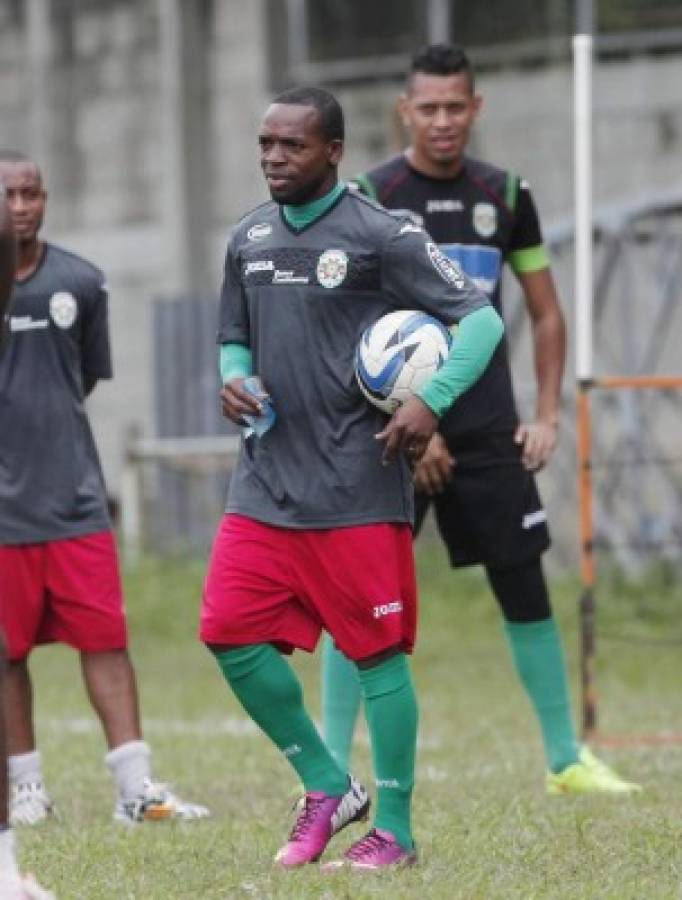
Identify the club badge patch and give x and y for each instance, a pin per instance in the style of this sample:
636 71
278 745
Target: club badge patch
484 217
448 269
63 309
332 267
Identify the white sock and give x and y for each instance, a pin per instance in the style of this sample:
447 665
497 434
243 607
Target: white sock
130 766
25 768
9 872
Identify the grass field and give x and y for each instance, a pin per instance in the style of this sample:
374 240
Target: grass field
484 826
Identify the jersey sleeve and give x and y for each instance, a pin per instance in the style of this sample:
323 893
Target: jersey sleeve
417 275
527 251
365 185
95 346
233 325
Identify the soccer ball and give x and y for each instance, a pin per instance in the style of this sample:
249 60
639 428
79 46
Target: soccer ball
398 354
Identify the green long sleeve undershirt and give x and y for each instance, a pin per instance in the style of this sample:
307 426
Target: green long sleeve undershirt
478 335
235 362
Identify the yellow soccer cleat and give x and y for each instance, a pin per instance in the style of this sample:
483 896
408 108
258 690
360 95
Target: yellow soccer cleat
588 776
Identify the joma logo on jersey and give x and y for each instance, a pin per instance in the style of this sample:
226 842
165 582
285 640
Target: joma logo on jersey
387 609
26 323
444 206
259 265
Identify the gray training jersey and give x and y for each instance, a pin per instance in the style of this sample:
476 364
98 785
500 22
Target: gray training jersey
51 484
301 300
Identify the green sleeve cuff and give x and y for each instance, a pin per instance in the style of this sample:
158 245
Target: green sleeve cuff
478 335
235 362
530 259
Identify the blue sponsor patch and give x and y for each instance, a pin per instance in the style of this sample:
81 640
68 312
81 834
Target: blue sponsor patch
482 264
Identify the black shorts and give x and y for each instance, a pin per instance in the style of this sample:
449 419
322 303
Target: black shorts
490 512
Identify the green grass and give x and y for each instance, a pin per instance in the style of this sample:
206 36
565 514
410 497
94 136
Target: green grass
485 828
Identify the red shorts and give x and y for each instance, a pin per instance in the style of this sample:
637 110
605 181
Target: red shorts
283 586
68 591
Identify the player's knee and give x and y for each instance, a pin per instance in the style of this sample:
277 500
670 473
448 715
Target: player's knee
521 592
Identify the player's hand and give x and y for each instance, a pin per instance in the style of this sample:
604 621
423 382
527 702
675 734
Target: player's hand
237 402
538 441
434 469
409 430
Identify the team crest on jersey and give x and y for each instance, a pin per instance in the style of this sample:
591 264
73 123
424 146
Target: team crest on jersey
484 218
332 267
258 232
63 309
446 268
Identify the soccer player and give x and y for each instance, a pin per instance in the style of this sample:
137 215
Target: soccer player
317 527
59 576
483 458
12 885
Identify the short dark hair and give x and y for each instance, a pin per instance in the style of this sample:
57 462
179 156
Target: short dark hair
326 104
441 59
17 157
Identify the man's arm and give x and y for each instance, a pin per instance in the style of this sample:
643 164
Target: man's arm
95 345
235 367
234 338
529 261
7 258
413 424
539 438
416 274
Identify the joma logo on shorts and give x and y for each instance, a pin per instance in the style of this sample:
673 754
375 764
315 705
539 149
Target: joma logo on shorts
530 520
388 609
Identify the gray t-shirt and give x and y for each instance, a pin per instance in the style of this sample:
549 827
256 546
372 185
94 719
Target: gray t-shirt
301 300
51 484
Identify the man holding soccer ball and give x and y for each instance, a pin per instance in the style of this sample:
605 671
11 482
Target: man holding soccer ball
317 529
482 457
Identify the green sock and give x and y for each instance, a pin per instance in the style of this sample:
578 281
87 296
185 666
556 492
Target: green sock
539 659
267 688
391 709
341 698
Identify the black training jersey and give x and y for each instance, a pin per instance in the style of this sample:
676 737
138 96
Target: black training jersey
301 300
481 218
51 485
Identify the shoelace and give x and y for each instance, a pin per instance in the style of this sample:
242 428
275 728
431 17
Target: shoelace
370 842
306 819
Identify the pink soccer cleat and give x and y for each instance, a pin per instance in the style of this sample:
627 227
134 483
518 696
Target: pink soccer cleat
320 818
376 850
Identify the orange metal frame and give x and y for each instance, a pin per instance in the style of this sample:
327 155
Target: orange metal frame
587 561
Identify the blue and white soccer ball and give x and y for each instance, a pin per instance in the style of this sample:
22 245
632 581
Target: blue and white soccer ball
398 354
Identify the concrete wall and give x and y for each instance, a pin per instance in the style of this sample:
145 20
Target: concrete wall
97 116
